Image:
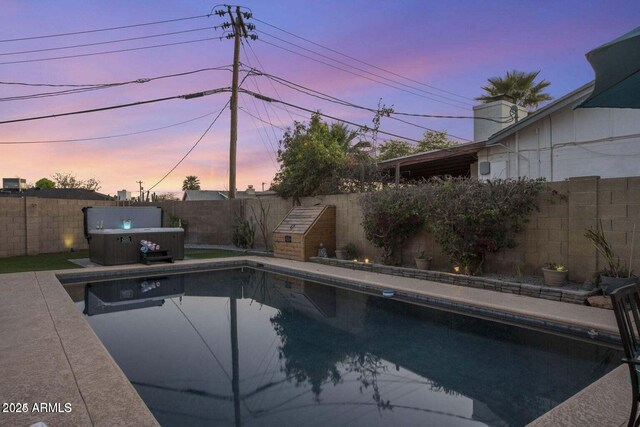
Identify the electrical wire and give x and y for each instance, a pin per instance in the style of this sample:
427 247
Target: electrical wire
105 42
114 107
262 66
359 75
98 138
91 87
104 29
275 137
192 147
362 62
54 58
246 111
329 98
374 74
268 99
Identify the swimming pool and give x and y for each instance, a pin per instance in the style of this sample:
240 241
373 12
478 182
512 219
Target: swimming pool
246 347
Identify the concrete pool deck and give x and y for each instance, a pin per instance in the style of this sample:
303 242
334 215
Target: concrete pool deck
51 355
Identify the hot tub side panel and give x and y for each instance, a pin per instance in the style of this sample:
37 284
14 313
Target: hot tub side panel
124 248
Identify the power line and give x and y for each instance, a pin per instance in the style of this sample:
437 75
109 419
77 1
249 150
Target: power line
255 83
113 107
192 147
91 87
222 67
373 74
105 42
246 111
104 29
272 85
330 98
267 99
391 115
53 58
357 74
363 62
98 138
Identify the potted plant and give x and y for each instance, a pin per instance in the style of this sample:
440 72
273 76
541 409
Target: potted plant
616 274
554 274
423 262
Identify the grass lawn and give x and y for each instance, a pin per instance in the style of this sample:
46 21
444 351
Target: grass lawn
60 261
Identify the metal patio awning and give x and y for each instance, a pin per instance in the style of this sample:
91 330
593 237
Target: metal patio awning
617 68
454 161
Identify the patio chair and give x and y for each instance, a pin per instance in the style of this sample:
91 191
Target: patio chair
626 305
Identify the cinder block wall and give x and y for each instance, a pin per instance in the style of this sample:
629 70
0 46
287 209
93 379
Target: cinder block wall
32 225
12 227
555 233
206 221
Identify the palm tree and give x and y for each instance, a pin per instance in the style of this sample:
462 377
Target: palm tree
520 86
191 182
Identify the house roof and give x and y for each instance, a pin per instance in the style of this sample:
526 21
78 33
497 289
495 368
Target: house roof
193 195
58 193
569 99
455 161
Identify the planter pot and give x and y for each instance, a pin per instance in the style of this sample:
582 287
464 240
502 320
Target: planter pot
423 263
554 277
610 284
340 254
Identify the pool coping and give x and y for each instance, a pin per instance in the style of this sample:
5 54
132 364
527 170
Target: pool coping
102 395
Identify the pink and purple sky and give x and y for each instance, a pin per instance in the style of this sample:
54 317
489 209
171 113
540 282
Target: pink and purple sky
446 49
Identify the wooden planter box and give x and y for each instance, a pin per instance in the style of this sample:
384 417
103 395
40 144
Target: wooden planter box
300 233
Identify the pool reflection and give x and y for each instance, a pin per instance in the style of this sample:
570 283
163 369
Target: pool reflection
250 348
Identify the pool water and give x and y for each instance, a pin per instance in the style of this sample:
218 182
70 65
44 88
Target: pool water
244 347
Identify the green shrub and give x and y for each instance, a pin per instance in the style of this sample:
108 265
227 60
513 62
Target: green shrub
470 218
390 216
244 232
351 251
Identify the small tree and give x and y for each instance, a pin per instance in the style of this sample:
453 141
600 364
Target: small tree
263 220
68 180
191 182
309 156
390 216
434 140
45 183
470 218
393 148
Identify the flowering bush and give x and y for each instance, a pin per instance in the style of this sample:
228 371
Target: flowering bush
390 216
470 218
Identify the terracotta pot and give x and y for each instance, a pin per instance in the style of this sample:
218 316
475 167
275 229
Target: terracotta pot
423 263
341 254
554 277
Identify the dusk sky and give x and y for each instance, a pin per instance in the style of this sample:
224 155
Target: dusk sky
432 58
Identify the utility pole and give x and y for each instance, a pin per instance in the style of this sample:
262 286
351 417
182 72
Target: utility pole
140 184
239 30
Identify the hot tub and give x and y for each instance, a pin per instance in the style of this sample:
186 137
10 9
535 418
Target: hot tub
116 246
111 244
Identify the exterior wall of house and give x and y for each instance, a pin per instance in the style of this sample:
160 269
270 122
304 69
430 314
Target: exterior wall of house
600 142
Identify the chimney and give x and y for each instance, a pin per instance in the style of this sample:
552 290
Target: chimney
250 191
499 109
